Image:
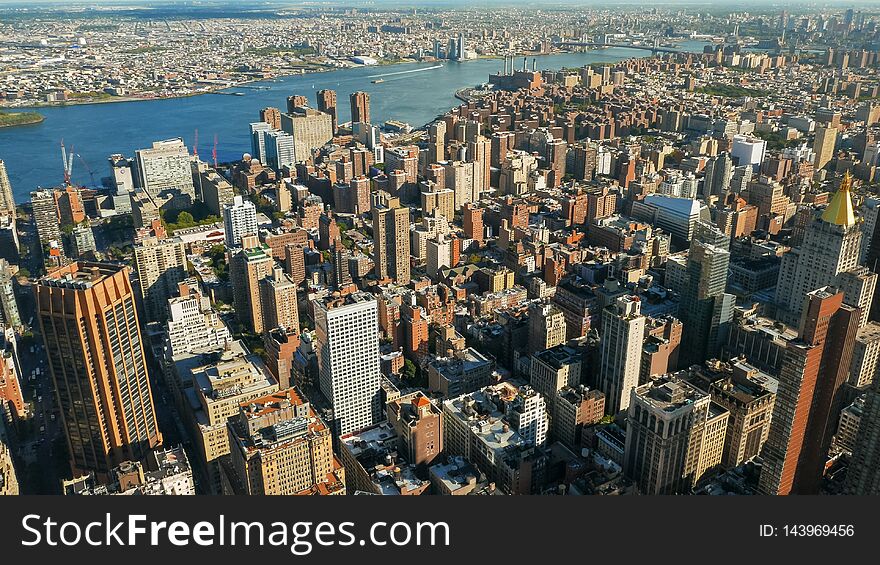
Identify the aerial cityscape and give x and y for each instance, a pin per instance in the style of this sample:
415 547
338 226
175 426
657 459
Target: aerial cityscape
351 248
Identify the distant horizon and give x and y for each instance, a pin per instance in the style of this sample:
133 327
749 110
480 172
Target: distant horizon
194 4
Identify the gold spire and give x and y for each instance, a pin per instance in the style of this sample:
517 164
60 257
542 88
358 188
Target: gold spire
840 210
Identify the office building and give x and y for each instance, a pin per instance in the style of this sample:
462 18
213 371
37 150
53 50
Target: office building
674 436
576 408
806 408
84 309
192 323
310 130
705 309
46 216
161 265
623 330
279 446
348 360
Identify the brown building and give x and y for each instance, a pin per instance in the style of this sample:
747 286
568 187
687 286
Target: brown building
661 347
280 347
327 104
576 408
247 268
472 220
271 116
391 240
360 107
812 371
278 301
93 340
419 427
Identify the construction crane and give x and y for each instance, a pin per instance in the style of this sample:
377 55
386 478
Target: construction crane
67 163
88 168
214 152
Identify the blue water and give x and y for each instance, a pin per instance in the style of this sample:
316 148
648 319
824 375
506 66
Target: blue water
95 131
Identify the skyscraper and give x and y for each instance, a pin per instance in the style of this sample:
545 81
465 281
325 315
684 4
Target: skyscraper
7 201
164 172
360 107
327 104
863 475
46 218
239 219
348 360
391 239
92 337
252 263
830 247
161 266
719 169
823 146
807 402
310 130
271 116
623 330
278 301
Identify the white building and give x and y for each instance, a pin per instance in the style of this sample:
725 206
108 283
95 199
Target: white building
749 150
193 324
164 172
239 218
348 360
623 330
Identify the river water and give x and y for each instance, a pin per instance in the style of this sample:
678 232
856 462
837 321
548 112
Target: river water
95 131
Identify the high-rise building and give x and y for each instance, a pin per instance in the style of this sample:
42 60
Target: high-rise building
674 435
278 301
360 107
391 239
251 264
327 104
705 309
92 337
271 116
7 200
165 174
419 427
718 171
46 217
9 314
807 401
280 149
863 475
239 220
823 146
830 247
192 323
623 330
310 129
161 266
259 131
348 360
279 446
546 326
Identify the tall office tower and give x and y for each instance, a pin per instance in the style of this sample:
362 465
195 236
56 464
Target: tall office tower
91 334
252 263
46 218
419 427
391 239
716 181
192 323
807 400
674 434
278 301
161 266
705 309
546 326
623 330
830 247
310 129
239 220
348 360
823 146
341 273
327 104
279 446
271 116
7 201
259 131
437 142
360 107
296 102
164 172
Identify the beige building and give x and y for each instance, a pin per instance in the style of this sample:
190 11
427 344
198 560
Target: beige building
279 446
161 266
279 304
866 353
391 239
546 326
823 146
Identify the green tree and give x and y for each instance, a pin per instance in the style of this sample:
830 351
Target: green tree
409 370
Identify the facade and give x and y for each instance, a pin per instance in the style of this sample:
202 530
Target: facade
239 220
164 172
391 241
278 301
419 426
546 326
90 329
192 323
251 264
